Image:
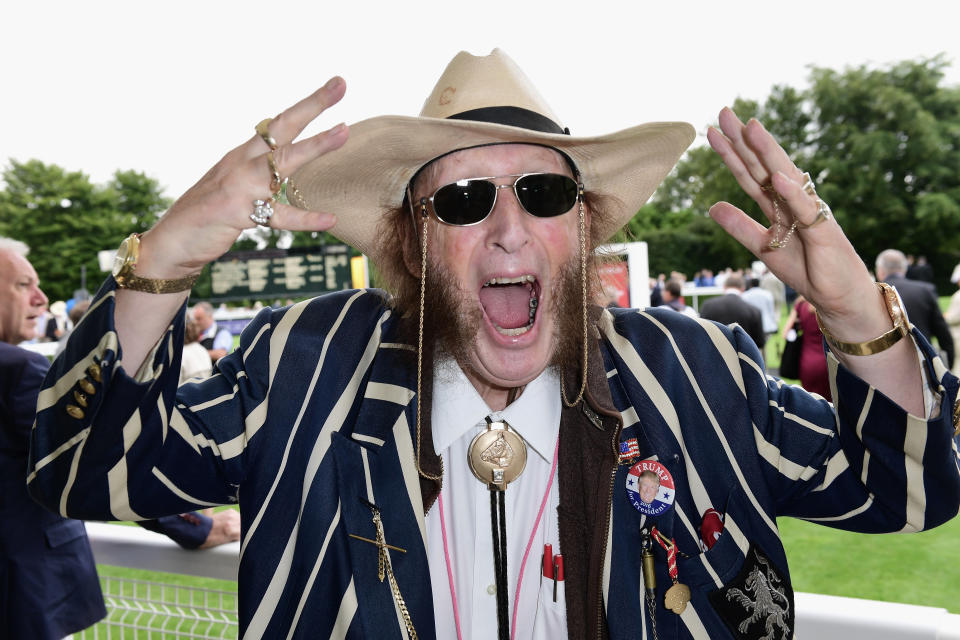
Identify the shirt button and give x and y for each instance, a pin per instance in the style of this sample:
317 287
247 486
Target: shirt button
492 589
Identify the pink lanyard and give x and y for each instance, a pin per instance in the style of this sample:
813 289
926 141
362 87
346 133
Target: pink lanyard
526 553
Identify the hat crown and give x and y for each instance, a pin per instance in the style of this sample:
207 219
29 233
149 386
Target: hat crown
476 82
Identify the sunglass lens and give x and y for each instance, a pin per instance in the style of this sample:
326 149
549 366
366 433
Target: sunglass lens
465 201
547 194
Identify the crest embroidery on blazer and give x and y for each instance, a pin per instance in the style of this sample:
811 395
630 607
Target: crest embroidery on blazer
758 603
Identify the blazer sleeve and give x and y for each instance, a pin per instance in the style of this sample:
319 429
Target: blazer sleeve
863 464
114 444
189 530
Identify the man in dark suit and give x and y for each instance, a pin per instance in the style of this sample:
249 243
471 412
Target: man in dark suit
48 580
919 298
730 309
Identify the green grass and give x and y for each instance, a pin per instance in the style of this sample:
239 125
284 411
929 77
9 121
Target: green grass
917 568
177 579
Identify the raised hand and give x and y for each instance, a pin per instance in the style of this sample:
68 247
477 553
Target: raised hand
806 250
204 222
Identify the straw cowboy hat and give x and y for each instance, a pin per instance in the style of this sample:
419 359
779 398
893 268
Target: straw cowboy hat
479 100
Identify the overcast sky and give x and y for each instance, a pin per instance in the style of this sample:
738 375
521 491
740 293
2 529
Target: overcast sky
168 87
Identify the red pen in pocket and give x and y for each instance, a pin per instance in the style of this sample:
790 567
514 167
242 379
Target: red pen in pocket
548 561
557 573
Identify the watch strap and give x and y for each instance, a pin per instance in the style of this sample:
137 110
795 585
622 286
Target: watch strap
882 342
156 285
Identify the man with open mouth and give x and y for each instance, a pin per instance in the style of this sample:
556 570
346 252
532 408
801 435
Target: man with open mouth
461 456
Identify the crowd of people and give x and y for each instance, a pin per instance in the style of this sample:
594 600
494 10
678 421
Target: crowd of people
364 433
755 299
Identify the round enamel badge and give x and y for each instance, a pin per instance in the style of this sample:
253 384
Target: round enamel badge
650 487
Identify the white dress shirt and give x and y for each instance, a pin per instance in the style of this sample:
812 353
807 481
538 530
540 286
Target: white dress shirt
458 414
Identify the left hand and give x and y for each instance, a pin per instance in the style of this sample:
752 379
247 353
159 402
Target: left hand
818 262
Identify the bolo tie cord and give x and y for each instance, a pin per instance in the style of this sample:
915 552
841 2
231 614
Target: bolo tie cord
498 528
499 531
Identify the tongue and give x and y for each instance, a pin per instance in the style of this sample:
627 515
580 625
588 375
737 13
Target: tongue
507 306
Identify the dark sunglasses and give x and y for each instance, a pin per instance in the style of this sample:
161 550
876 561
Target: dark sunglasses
469 201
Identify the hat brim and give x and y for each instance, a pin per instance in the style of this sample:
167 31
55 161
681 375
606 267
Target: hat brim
369 174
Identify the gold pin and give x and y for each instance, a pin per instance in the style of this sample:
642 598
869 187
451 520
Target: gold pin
388 546
75 411
80 398
87 386
94 371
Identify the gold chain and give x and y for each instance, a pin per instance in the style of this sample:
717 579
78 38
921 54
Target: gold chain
583 299
384 566
423 293
778 242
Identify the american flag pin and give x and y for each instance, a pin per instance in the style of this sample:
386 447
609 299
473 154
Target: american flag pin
629 448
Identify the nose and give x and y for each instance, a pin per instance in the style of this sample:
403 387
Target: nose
39 298
507 224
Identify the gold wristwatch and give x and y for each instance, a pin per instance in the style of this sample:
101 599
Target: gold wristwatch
125 263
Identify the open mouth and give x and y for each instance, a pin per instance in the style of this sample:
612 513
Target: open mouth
511 303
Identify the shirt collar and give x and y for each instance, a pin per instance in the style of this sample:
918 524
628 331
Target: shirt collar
458 408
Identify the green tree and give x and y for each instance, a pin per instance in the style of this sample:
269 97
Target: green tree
882 144
66 220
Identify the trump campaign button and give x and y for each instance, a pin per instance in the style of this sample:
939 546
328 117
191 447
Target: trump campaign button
650 487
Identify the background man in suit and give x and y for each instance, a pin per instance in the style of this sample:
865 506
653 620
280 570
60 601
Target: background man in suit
48 581
919 298
730 309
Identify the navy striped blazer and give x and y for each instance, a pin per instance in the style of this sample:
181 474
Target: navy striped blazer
312 419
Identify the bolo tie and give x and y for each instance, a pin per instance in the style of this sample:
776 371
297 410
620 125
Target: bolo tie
497 457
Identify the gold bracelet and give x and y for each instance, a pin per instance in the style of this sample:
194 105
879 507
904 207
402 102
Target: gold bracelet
882 343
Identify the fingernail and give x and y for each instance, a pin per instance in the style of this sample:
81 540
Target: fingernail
337 130
333 82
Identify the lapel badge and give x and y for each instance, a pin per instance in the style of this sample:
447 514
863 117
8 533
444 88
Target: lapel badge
650 487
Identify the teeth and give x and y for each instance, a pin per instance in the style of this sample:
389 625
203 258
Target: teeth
517 280
512 332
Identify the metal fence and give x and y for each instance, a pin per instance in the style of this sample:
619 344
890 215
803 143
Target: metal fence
154 610
141 609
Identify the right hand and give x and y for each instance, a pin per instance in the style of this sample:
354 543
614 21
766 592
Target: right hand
204 222
226 528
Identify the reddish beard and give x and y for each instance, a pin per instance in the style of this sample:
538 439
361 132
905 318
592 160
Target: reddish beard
452 324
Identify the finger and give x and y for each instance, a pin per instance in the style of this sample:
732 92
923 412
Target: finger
735 164
291 157
291 218
288 159
733 129
770 154
802 206
744 229
291 122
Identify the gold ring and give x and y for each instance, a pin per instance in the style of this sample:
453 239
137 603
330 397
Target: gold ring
276 182
823 213
264 133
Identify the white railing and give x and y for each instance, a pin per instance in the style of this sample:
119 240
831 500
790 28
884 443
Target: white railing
167 611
